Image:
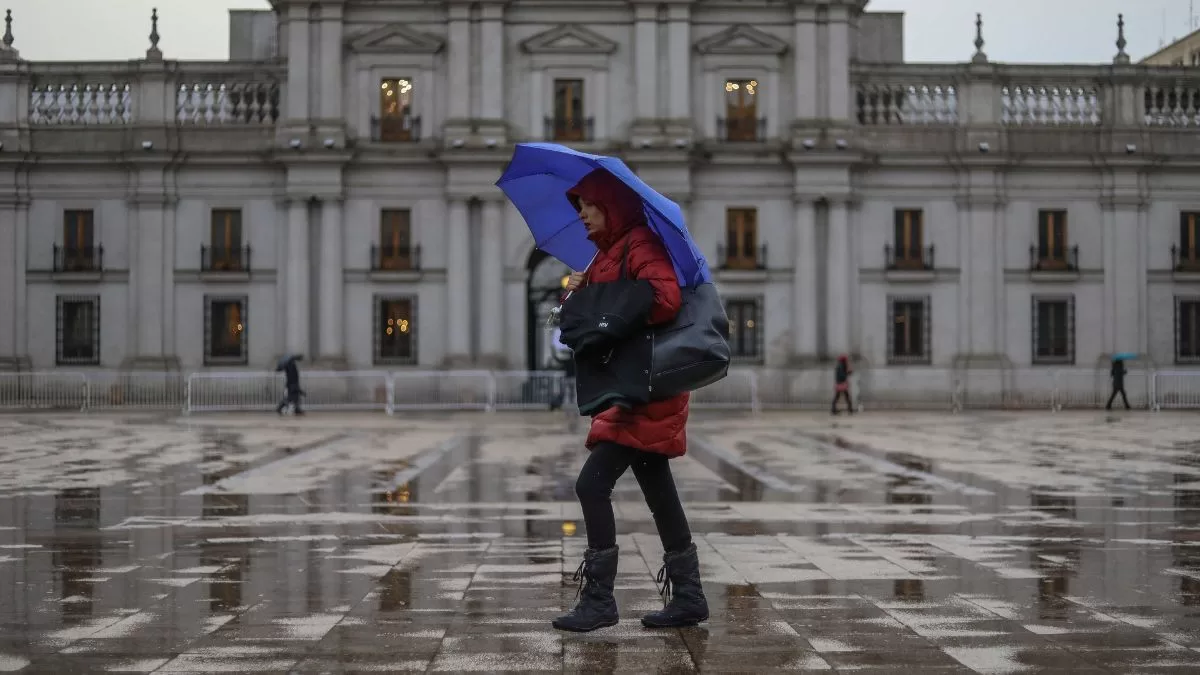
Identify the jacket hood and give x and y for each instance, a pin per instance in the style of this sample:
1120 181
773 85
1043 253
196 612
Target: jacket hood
622 207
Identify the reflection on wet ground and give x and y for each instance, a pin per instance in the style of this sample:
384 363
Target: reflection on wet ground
991 543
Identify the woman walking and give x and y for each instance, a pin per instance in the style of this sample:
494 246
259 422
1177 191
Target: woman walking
641 437
841 384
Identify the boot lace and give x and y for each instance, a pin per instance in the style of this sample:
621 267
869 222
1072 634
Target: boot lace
582 576
664 578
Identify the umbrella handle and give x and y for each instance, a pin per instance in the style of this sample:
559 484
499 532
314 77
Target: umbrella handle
555 317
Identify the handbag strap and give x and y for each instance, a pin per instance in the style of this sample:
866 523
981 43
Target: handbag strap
625 261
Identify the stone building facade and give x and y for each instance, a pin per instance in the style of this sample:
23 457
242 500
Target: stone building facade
333 194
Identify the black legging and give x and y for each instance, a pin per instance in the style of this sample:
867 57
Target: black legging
594 487
844 393
1117 389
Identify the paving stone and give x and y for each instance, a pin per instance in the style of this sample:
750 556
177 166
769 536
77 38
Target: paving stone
890 543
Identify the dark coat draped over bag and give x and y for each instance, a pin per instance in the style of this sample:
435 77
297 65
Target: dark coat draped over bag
628 245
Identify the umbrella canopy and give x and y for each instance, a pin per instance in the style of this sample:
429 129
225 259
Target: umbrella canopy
536 182
284 360
1124 356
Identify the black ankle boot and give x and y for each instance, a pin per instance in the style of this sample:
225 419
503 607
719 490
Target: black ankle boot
680 577
596 607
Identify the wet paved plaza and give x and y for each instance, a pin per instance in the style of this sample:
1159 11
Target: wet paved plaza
988 543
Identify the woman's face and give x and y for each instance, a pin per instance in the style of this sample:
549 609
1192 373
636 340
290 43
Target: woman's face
592 216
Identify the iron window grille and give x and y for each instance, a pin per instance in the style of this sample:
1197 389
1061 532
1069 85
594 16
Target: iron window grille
225 330
909 330
395 330
1187 330
77 330
745 328
1053 330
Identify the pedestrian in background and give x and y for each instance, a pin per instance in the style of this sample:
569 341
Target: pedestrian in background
841 384
292 391
1117 373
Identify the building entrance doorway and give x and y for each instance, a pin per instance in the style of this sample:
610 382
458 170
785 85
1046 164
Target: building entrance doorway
543 287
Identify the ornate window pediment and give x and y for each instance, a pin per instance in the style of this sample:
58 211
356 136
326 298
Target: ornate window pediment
568 39
396 38
742 39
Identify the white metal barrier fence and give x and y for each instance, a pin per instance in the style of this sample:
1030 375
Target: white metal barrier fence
450 390
323 390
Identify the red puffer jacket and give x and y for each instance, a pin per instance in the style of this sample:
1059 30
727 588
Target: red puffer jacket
658 426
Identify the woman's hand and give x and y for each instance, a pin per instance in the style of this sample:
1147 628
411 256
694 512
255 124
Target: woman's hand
575 281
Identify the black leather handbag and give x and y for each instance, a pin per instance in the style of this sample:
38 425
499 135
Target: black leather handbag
692 351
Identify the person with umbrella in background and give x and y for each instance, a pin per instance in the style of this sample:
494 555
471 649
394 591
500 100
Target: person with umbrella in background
1117 373
292 391
612 231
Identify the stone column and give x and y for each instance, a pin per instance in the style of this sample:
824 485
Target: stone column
12 274
837 285
838 54
804 283
491 283
537 105
679 60
298 63
333 301
297 278
458 283
804 50
331 90
491 62
459 68
646 60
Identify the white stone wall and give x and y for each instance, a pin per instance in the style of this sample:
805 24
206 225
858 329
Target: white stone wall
653 76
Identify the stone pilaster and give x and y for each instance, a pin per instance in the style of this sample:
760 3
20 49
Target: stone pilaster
332 300
297 279
838 281
491 284
804 283
981 257
679 60
645 72
151 237
330 87
458 283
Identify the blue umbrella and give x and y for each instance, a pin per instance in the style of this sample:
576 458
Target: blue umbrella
536 182
1124 356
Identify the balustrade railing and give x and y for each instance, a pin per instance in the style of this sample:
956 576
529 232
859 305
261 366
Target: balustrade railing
1019 96
1050 103
81 94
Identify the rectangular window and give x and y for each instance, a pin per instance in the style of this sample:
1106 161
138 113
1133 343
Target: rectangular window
225 330
745 328
908 335
1189 239
225 240
79 244
78 330
741 110
1052 239
568 110
909 238
396 123
1054 330
741 239
395 240
1187 330
395 330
